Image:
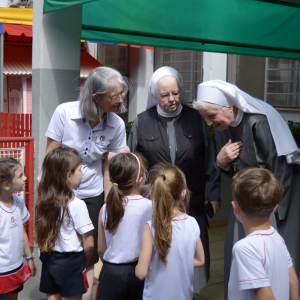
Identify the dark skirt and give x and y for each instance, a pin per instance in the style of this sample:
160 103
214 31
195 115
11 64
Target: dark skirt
64 273
118 282
94 205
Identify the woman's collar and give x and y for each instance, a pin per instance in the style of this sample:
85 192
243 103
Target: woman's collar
169 115
238 118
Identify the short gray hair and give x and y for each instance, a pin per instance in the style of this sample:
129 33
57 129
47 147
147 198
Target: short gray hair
101 81
200 105
165 78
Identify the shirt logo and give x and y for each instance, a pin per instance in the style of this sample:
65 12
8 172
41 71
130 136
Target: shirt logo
101 140
13 222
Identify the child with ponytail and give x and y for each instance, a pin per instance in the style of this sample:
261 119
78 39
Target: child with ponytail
121 223
171 245
63 227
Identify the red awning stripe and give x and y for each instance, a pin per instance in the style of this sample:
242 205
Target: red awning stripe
15 29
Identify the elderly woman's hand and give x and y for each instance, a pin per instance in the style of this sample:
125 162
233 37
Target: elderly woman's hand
228 153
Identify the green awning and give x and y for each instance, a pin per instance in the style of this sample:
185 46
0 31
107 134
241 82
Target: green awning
52 5
249 27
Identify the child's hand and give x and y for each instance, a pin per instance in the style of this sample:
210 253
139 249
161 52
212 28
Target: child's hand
32 267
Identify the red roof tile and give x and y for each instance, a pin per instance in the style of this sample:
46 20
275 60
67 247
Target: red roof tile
18 61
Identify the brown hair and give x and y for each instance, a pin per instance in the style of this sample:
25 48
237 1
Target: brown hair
54 194
123 172
8 166
166 184
257 191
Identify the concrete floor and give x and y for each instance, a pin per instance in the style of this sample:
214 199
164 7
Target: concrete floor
213 291
215 288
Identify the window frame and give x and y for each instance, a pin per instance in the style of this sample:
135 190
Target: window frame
159 62
279 107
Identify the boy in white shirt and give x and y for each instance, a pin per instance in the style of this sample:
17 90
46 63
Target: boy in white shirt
261 267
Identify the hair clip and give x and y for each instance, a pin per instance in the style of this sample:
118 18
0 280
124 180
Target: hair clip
115 184
93 71
163 176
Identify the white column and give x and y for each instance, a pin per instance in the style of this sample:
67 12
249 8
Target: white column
55 67
24 94
91 48
214 66
141 65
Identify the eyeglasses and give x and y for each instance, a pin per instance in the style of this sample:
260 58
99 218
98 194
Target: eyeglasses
115 98
166 97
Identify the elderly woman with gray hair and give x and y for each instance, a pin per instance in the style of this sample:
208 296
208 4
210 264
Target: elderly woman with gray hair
251 133
92 126
170 131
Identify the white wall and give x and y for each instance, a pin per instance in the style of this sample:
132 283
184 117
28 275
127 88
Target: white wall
141 63
91 48
290 115
214 66
4 3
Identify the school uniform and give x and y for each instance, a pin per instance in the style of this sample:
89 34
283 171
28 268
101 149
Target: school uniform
117 280
63 270
12 271
69 127
176 280
260 260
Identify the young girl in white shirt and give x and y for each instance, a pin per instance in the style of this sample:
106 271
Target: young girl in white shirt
63 227
171 245
121 224
13 237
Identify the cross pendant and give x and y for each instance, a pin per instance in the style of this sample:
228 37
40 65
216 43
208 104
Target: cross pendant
234 165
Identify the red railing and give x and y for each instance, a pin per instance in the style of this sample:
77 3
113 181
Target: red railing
15 125
15 132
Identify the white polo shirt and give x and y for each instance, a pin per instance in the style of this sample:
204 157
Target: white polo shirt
73 227
174 281
261 259
12 234
71 129
125 245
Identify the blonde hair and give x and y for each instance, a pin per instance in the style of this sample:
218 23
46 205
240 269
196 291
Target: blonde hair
166 185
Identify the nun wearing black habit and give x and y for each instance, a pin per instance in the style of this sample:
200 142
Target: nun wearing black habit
170 131
251 133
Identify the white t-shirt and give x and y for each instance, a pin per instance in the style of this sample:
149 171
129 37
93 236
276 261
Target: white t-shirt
71 129
12 234
125 245
260 259
176 280
78 223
